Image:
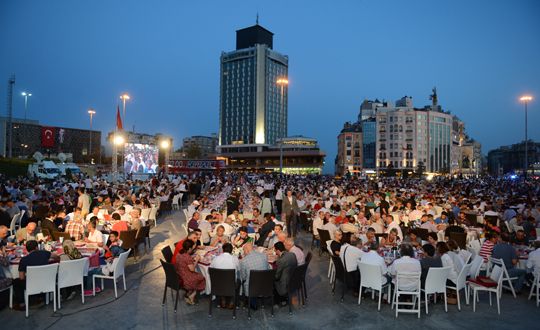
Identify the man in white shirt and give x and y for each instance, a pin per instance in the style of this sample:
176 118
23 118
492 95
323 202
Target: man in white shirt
376 223
331 226
391 223
406 264
94 235
226 260
317 223
94 213
350 255
373 258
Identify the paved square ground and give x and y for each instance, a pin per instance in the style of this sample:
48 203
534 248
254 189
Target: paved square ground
140 307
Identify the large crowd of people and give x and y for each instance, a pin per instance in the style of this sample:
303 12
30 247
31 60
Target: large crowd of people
254 222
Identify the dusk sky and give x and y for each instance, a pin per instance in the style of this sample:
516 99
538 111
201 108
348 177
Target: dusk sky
73 55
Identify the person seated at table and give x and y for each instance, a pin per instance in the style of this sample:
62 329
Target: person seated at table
372 257
48 223
487 247
432 239
70 251
428 223
349 226
405 264
429 260
136 222
391 223
94 235
285 265
443 219
349 255
505 251
193 223
3 237
122 213
453 228
413 239
330 225
252 260
335 244
291 247
369 237
35 257
226 261
113 247
275 236
192 236
258 218
248 225
27 233
119 224
242 237
185 266
75 229
456 254
519 238
220 237
60 218
227 225
447 261
392 240
94 213
265 230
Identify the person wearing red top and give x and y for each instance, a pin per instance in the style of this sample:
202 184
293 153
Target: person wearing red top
120 225
342 218
192 236
487 247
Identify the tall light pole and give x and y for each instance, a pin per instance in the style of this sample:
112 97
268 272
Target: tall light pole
526 99
124 97
26 96
282 82
91 112
166 146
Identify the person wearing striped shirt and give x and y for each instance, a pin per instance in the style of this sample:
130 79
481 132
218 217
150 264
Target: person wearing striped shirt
487 247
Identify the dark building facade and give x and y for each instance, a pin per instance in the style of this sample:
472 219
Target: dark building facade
369 140
511 159
29 136
253 90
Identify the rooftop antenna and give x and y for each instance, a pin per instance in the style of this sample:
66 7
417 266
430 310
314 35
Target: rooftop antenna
257 19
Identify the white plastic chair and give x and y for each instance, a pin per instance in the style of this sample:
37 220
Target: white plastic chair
461 284
175 205
13 224
371 277
152 215
105 238
145 213
119 270
436 283
506 276
497 276
476 265
415 293
536 286
41 279
331 267
71 273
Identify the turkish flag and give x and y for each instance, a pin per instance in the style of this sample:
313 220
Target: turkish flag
47 137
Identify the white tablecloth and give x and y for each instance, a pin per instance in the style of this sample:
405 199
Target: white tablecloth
14 269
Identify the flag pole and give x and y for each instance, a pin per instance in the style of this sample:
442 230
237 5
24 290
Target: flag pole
115 152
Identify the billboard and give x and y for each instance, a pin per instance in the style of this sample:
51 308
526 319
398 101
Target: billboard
140 158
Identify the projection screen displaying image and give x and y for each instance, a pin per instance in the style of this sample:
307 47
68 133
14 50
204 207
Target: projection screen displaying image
140 158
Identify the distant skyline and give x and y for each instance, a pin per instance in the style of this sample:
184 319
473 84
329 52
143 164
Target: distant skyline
74 55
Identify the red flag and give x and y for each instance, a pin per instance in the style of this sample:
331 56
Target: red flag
118 119
47 137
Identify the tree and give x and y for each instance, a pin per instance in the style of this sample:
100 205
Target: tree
193 151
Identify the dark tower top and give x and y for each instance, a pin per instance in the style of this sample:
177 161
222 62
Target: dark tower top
250 36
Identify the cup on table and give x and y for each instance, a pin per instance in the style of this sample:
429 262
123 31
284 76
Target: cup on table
61 239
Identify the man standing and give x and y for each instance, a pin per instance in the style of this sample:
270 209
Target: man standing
83 202
290 212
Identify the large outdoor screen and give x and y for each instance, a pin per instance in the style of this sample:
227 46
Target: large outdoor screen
140 158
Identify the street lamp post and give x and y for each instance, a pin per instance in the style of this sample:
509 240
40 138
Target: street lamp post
282 82
91 112
166 145
117 140
26 96
526 99
124 98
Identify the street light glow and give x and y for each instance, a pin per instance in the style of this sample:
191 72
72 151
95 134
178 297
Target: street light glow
525 98
118 140
164 144
282 81
91 112
124 97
